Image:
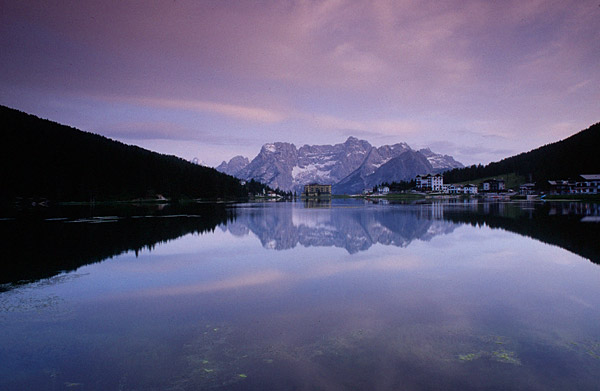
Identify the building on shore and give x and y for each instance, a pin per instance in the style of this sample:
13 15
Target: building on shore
383 190
317 190
527 189
430 182
588 184
453 189
584 184
493 185
470 189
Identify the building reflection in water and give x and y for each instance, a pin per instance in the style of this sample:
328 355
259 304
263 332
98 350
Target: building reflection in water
357 225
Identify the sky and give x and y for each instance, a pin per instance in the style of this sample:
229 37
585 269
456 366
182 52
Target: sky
478 80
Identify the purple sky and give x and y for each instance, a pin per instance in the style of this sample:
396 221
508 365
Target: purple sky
479 80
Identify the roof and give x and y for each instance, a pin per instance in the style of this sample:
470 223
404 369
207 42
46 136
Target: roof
591 177
493 180
561 182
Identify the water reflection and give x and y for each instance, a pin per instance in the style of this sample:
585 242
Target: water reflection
439 300
354 227
570 225
40 246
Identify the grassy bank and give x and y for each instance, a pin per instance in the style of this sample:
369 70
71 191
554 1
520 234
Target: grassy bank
573 197
394 196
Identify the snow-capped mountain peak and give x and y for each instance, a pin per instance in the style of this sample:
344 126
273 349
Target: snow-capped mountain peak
349 166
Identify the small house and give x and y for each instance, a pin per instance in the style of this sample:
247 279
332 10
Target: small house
470 189
493 185
527 188
383 190
588 184
454 189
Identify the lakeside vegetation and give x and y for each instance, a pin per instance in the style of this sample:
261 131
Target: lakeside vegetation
396 196
573 197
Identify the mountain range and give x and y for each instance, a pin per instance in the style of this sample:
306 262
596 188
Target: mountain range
350 166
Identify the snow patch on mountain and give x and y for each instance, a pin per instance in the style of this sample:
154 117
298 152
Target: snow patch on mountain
269 147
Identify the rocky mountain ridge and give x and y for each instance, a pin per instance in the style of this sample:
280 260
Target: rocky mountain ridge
350 166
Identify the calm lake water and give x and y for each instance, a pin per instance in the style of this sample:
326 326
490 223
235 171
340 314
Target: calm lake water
303 296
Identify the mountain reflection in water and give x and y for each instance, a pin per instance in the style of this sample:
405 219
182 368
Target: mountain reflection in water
36 247
355 227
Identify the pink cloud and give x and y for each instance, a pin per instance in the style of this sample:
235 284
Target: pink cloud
237 111
419 70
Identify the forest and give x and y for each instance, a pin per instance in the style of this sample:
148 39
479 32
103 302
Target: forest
42 159
564 159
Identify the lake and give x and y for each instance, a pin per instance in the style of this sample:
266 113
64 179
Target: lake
337 295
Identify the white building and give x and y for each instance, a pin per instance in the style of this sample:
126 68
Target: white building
527 188
383 190
454 189
470 189
430 182
493 185
584 184
589 184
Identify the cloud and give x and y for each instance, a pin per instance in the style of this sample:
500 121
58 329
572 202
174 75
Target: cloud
148 130
580 85
236 282
479 150
470 153
271 277
361 64
394 127
381 68
236 111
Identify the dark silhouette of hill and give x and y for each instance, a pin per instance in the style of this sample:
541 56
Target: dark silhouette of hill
44 159
564 159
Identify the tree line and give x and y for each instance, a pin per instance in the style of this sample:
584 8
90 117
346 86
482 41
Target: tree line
44 159
564 159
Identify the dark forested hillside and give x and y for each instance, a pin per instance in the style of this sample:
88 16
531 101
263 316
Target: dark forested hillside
564 159
45 159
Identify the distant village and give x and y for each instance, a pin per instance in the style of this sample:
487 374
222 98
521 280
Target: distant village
434 184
